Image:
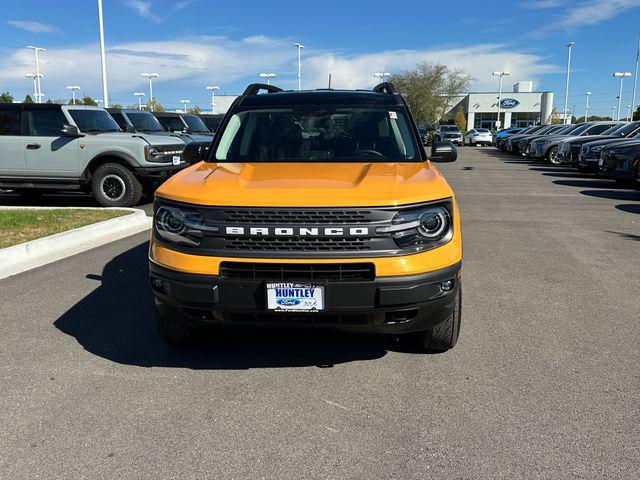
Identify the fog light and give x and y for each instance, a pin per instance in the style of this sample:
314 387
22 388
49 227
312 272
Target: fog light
446 286
157 284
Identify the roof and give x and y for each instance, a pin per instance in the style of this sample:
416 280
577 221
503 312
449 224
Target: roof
320 97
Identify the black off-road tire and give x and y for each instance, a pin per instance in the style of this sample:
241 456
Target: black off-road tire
171 332
113 185
443 336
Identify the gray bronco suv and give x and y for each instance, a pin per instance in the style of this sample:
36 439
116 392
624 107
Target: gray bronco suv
49 147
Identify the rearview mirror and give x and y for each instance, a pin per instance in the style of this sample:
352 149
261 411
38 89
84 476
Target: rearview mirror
70 131
195 152
442 151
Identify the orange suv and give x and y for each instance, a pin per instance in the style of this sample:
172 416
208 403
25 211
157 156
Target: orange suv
311 208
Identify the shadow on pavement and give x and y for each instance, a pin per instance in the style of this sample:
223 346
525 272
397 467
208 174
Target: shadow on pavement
613 194
630 208
568 174
587 183
48 200
628 236
115 321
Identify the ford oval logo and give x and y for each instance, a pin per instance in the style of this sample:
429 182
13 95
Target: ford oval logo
287 302
509 103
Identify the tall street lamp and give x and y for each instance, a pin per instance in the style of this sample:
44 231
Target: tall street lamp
299 46
382 75
38 75
103 59
139 95
268 76
34 76
566 83
635 78
213 89
613 115
499 75
73 89
586 106
621 76
184 105
150 77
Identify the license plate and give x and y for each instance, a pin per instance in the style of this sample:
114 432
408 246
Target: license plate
295 297
176 160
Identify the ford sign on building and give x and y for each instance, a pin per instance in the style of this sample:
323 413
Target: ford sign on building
520 108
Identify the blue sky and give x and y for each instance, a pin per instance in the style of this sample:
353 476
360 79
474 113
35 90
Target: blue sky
196 43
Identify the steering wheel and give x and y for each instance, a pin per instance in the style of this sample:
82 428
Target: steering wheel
363 151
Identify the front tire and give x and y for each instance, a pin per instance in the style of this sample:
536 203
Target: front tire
171 332
444 335
113 185
552 156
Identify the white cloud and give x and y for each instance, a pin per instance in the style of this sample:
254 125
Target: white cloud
31 26
542 4
142 8
196 61
591 12
179 5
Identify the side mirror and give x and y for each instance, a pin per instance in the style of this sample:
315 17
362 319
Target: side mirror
167 129
70 131
443 152
195 152
130 129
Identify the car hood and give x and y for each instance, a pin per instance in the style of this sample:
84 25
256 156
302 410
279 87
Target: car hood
306 184
151 139
635 143
612 140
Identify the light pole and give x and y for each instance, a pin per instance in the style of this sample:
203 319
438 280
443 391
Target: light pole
635 79
566 83
139 95
38 75
299 46
34 76
613 115
621 76
103 58
586 106
73 89
184 105
381 75
268 76
213 89
150 77
499 75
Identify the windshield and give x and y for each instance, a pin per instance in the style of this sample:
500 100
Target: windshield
308 134
212 123
94 121
195 124
579 129
144 122
621 130
171 124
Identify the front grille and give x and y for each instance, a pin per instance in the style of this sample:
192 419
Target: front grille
169 149
339 272
299 244
329 217
299 318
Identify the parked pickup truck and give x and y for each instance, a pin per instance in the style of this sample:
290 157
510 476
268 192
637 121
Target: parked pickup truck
49 147
313 208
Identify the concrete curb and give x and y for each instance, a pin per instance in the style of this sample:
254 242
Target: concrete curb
28 255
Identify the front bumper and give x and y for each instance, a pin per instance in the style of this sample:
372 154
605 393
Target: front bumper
394 305
160 172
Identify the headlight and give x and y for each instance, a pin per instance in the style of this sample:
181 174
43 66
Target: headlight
150 153
596 149
422 228
180 225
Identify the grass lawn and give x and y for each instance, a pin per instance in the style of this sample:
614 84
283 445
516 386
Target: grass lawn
18 226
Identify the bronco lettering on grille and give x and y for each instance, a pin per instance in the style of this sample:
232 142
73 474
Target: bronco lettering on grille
299 231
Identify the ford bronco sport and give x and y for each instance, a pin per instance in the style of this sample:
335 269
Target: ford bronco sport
315 208
48 147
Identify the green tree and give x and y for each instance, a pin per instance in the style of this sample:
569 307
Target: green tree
28 99
431 90
461 120
154 106
636 114
6 97
87 101
195 110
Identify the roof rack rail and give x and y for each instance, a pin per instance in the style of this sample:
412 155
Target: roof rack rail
254 88
385 87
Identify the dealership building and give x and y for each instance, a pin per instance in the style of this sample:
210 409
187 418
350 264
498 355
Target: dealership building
520 108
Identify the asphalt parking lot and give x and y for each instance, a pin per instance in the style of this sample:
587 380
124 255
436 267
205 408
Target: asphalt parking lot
544 381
